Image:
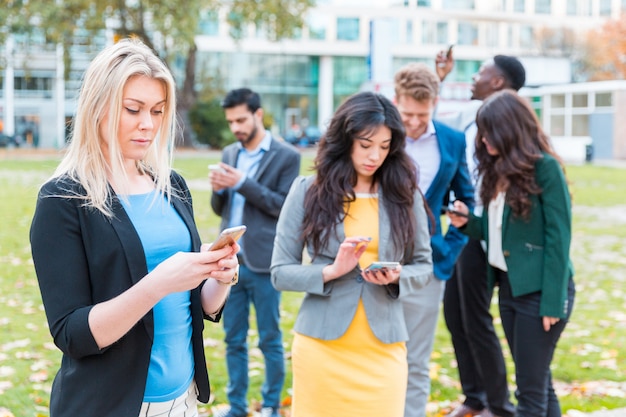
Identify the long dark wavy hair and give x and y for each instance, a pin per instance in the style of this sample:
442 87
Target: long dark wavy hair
509 124
360 115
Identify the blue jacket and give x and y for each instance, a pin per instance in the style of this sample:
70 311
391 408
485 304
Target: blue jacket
454 176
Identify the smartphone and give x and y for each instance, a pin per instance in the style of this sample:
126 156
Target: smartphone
228 237
216 167
381 265
456 213
449 53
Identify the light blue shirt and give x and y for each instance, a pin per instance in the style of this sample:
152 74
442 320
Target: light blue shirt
424 151
248 161
163 233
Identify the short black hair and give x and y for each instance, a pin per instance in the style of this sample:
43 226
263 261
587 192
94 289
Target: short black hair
240 96
512 69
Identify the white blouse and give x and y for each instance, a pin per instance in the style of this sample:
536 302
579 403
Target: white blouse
495 255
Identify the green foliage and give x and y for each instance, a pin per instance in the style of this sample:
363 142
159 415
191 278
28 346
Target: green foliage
280 18
165 25
209 125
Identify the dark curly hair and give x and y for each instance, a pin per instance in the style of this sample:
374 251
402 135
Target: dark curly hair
509 124
360 115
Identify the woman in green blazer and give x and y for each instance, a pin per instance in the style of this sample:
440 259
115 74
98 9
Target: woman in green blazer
527 227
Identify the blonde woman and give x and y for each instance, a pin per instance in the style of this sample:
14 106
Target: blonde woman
124 282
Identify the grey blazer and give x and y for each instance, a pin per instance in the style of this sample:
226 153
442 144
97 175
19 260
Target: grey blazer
265 195
328 308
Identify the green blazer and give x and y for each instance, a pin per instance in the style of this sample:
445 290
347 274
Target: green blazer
536 250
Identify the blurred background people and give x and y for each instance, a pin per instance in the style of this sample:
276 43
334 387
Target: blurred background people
526 224
467 298
117 253
249 188
439 153
361 206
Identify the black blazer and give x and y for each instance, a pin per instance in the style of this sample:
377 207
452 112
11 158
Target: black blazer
83 258
265 195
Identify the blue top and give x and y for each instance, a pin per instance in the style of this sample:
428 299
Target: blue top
163 233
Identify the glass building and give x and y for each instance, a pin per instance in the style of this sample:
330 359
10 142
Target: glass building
304 78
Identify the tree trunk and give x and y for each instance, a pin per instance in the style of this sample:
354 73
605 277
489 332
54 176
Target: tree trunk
187 98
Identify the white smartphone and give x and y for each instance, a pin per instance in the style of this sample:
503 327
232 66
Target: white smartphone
228 237
216 167
381 265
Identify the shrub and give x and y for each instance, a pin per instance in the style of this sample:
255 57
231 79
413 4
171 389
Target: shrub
209 125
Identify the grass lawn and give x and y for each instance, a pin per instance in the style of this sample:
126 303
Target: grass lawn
588 367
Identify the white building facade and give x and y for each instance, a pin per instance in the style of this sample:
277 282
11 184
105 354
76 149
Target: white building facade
303 79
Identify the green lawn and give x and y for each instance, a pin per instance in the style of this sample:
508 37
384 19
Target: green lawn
589 363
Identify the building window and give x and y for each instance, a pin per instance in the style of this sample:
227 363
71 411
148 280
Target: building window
519 6
423 3
468 33
434 32
209 23
347 28
349 74
579 7
33 86
557 125
526 37
580 125
557 101
466 69
604 100
509 36
442 33
409 31
543 6
428 32
580 100
605 7
492 34
317 26
458 4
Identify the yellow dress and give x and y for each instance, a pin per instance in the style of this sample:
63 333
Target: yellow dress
357 374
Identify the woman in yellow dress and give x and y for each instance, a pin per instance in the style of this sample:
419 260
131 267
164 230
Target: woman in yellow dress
361 206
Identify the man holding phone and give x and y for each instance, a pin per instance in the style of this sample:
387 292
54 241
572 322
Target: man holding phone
439 154
249 188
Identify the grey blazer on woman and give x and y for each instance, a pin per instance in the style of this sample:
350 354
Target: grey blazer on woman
328 308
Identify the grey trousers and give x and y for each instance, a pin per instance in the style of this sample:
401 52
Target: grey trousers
421 311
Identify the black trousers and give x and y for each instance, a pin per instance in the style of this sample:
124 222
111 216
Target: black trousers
532 349
482 371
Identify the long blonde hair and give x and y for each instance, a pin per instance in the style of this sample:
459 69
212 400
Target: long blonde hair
101 94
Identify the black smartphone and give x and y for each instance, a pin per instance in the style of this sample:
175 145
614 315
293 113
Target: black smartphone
455 212
449 53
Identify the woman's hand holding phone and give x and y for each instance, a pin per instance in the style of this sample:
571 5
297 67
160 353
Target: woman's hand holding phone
458 214
382 273
227 238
